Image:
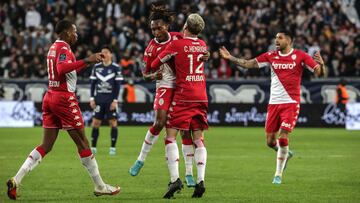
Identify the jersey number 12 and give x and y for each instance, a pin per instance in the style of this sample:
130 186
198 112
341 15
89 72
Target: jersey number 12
198 68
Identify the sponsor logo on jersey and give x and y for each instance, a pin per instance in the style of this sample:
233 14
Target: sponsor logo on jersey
283 66
53 83
286 125
195 78
62 57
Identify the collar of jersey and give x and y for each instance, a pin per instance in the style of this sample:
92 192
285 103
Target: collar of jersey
290 52
62 42
165 41
193 38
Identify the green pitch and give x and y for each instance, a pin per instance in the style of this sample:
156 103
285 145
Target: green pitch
240 168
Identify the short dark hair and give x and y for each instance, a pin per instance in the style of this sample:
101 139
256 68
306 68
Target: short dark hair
63 25
286 33
107 47
160 12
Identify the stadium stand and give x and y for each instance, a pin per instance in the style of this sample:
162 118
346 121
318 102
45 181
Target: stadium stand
246 27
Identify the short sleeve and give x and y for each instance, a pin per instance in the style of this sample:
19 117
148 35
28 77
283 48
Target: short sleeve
309 62
64 55
262 60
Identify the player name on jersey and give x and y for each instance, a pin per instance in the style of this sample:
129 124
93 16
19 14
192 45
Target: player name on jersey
201 49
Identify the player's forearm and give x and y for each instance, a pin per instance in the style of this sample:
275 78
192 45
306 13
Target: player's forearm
148 76
321 70
156 64
63 68
242 62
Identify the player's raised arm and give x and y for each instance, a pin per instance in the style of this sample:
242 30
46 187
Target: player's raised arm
252 63
320 70
164 56
67 67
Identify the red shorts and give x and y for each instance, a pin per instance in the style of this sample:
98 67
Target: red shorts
188 116
281 116
163 98
61 110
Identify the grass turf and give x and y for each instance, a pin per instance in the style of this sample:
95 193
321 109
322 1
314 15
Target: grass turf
240 168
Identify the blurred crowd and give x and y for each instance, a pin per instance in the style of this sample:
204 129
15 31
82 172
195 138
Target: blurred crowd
246 28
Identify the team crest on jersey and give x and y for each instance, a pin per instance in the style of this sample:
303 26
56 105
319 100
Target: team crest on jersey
109 71
62 57
293 56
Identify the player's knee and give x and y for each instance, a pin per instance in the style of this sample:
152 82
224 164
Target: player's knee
113 123
159 124
270 140
199 142
96 123
169 140
185 134
271 143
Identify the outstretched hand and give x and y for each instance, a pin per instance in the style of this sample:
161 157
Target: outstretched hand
94 58
224 53
205 57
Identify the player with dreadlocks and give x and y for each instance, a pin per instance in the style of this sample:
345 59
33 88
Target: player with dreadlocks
160 20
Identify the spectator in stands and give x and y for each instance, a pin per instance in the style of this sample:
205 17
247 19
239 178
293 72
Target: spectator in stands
129 95
32 18
341 97
246 27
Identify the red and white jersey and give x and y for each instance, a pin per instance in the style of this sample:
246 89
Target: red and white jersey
190 77
153 49
286 72
62 67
